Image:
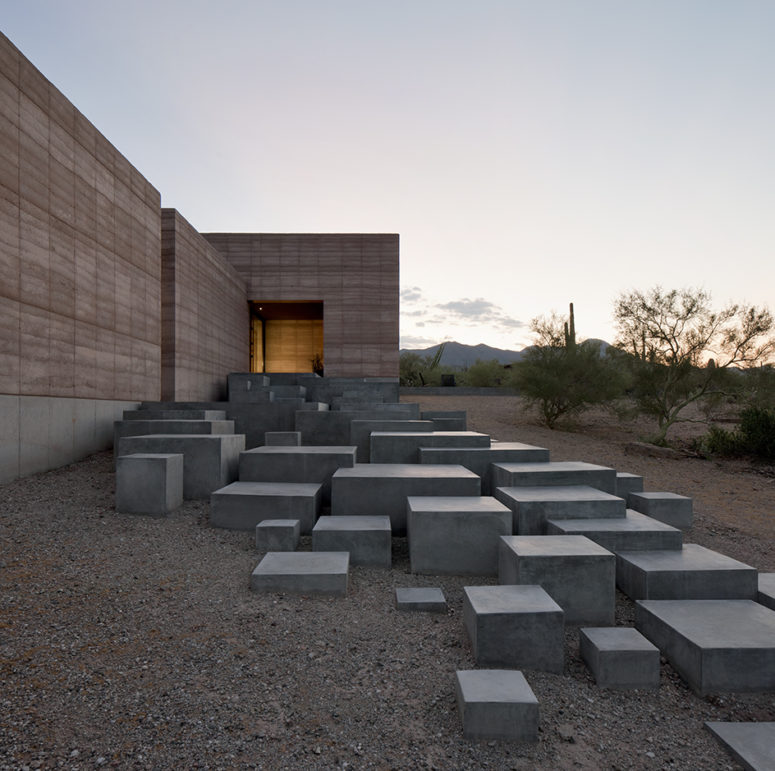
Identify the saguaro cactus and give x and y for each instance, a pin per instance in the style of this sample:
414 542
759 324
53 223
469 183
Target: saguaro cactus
570 330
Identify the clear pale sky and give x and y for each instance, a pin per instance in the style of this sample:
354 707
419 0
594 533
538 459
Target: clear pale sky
529 153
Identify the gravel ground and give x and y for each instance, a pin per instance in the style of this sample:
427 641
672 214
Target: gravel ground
135 643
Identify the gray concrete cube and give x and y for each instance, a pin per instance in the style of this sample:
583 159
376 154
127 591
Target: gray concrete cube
577 573
533 506
210 461
619 657
149 483
455 535
554 473
672 509
693 573
367 539
382 488
496 704
278 535
627 483
242 505
514 626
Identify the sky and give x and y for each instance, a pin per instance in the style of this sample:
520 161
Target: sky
530 153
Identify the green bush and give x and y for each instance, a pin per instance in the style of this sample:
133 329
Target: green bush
755 436
757 430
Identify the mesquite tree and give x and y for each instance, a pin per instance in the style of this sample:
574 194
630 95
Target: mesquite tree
681 351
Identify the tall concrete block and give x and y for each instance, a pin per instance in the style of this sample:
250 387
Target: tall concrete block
454 535
519 627
672 509
149 483
579 575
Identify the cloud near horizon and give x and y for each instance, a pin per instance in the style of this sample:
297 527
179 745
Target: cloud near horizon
481 311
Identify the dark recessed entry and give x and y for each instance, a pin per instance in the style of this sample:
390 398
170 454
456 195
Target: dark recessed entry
286 336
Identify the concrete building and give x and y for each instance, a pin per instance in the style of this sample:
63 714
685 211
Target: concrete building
106 299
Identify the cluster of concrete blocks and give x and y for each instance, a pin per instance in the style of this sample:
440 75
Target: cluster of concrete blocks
559 537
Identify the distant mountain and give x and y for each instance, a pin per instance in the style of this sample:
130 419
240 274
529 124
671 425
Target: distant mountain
460 355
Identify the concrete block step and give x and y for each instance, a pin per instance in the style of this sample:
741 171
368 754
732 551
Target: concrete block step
123 428
670 508
633 532
361 430
175 414
299 572
480 459
383 488
533 506
578 574
715 645
765 594
455 535
404 446
447 420
693 573
296 464
367 539
242 505
554 473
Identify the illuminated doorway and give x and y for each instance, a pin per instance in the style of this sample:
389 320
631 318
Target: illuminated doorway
286 336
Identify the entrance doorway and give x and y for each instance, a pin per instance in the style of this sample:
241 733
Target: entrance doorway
286 336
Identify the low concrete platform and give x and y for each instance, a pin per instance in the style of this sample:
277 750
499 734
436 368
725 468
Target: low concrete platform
361 430
174 415
672 509
455 535
302 572
404 446
383 488
367 539
514 626
765 594
448 420
554 473
693 573
496 704
278 535
577 573
619 657
148 483
479 459
715 645
633 532
296 464
627 483
750 744
421 598
242 505
210 461
136 427
533 506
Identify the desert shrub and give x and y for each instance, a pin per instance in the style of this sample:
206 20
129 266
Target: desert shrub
757 431
484 374
719 441
754 436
